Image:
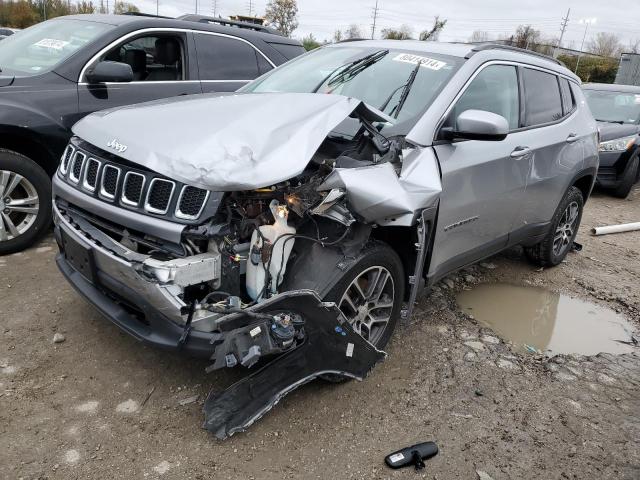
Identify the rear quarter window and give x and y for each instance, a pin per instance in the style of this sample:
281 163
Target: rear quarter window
543 103
568 101
288 51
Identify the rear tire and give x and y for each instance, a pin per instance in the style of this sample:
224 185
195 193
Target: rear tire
25 202
629 179
553 249
370 296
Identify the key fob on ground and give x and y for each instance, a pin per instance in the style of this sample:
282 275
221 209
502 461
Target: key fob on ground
414 455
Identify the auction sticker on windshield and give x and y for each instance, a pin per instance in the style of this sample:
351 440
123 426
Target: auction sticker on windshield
51 43
424 61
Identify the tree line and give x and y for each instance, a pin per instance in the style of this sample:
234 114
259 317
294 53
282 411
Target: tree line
24 13
283 15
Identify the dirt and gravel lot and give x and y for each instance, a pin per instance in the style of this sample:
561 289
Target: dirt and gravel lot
100 405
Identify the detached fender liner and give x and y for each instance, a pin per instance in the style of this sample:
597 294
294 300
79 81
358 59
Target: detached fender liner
330 347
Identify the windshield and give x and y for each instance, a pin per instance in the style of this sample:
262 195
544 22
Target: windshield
378 77
618 107
40 48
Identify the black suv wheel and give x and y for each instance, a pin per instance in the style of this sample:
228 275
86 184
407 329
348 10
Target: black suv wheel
25 201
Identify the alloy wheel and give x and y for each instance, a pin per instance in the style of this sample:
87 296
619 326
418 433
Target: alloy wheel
19 205
566 229
368 302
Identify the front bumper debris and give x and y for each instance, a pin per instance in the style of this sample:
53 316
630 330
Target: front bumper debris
323 342
330 347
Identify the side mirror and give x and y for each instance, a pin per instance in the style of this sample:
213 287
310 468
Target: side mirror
110 72
478 125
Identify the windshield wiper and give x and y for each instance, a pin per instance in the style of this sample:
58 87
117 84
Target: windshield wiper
405 91
621 122
349 70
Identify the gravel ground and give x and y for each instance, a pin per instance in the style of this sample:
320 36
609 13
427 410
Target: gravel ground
97 404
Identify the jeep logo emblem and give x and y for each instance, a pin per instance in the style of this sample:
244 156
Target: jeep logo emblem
119 147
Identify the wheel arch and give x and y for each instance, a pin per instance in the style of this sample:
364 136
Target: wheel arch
29 145
584 181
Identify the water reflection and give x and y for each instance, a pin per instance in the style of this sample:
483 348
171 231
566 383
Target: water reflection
546 320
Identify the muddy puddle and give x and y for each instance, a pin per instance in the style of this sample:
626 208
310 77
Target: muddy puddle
547 321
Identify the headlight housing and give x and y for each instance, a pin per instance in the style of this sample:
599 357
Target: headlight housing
618 144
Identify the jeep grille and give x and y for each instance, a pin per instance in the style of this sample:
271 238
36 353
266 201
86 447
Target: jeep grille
111 179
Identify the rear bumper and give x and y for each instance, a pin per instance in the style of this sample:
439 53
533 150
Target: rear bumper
613 166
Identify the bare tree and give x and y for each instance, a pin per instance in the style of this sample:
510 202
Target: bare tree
634 46
353 32
605 44
479 36
433 33
405 32
283 15
337 36
124 7
526 37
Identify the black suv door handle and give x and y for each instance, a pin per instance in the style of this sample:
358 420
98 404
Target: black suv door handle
572 138
520 152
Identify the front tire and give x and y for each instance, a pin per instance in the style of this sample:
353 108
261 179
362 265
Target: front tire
25 202
370 296
629 179
553 249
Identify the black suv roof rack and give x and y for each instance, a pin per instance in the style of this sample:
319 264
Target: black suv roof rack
140 14
229 23
499 46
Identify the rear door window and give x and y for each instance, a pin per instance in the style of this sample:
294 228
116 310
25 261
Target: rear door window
543 103
224 58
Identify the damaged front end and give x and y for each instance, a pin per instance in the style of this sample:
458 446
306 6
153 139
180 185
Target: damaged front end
228 244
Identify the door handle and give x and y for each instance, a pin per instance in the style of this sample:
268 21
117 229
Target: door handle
520 152
572 138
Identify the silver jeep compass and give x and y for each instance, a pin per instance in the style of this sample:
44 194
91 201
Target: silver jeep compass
293 222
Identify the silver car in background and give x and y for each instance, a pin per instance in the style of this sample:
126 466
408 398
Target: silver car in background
294 219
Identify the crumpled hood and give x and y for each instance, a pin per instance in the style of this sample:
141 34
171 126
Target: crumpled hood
611 131
221 142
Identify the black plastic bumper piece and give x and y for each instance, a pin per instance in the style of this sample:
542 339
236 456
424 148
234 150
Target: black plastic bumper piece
151 327
330 347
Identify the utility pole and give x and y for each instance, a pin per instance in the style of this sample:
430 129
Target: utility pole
250 7
214 7
157 7
375 18
44 8
565 21
586 22
196 7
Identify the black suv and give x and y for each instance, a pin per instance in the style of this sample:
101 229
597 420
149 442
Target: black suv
617 110
58 71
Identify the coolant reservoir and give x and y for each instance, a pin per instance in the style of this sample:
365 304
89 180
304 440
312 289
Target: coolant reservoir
258 260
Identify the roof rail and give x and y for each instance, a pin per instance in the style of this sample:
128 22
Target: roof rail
346 40
229 23
140 14
498 46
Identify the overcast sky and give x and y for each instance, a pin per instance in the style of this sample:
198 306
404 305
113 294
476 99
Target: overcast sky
498 17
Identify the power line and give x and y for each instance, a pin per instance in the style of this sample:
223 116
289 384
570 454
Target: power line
565 22
375 18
